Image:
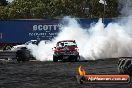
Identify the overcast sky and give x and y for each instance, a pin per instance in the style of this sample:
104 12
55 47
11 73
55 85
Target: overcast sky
10 0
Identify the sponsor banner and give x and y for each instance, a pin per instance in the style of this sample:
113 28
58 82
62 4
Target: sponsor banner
1 35
21 31
45 30
107 78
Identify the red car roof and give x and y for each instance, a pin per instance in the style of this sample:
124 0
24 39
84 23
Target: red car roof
67 41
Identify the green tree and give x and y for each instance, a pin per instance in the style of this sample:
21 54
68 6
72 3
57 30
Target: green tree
3 9
42 9
3 3
3 12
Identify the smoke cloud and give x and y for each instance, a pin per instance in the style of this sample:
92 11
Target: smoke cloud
126 7
99 41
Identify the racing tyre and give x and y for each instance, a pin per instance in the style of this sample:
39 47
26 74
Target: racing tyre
77 58
23 55
55 59
125 66
121 66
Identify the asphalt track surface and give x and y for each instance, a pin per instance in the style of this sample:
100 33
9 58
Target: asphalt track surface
35 74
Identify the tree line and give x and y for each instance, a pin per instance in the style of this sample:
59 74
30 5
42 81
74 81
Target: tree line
49 9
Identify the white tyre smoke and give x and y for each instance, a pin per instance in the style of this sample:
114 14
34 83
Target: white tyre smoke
97 42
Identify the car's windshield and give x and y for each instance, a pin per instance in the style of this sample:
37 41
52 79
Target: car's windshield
67 43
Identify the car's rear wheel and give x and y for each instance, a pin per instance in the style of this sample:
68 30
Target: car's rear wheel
55 59
77 58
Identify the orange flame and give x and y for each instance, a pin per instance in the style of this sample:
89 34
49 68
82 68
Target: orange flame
81 71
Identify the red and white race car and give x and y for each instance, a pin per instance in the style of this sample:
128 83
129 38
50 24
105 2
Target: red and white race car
66 50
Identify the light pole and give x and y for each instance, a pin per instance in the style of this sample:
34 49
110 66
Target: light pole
126 5
104 3
87 11
85 8
104 12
